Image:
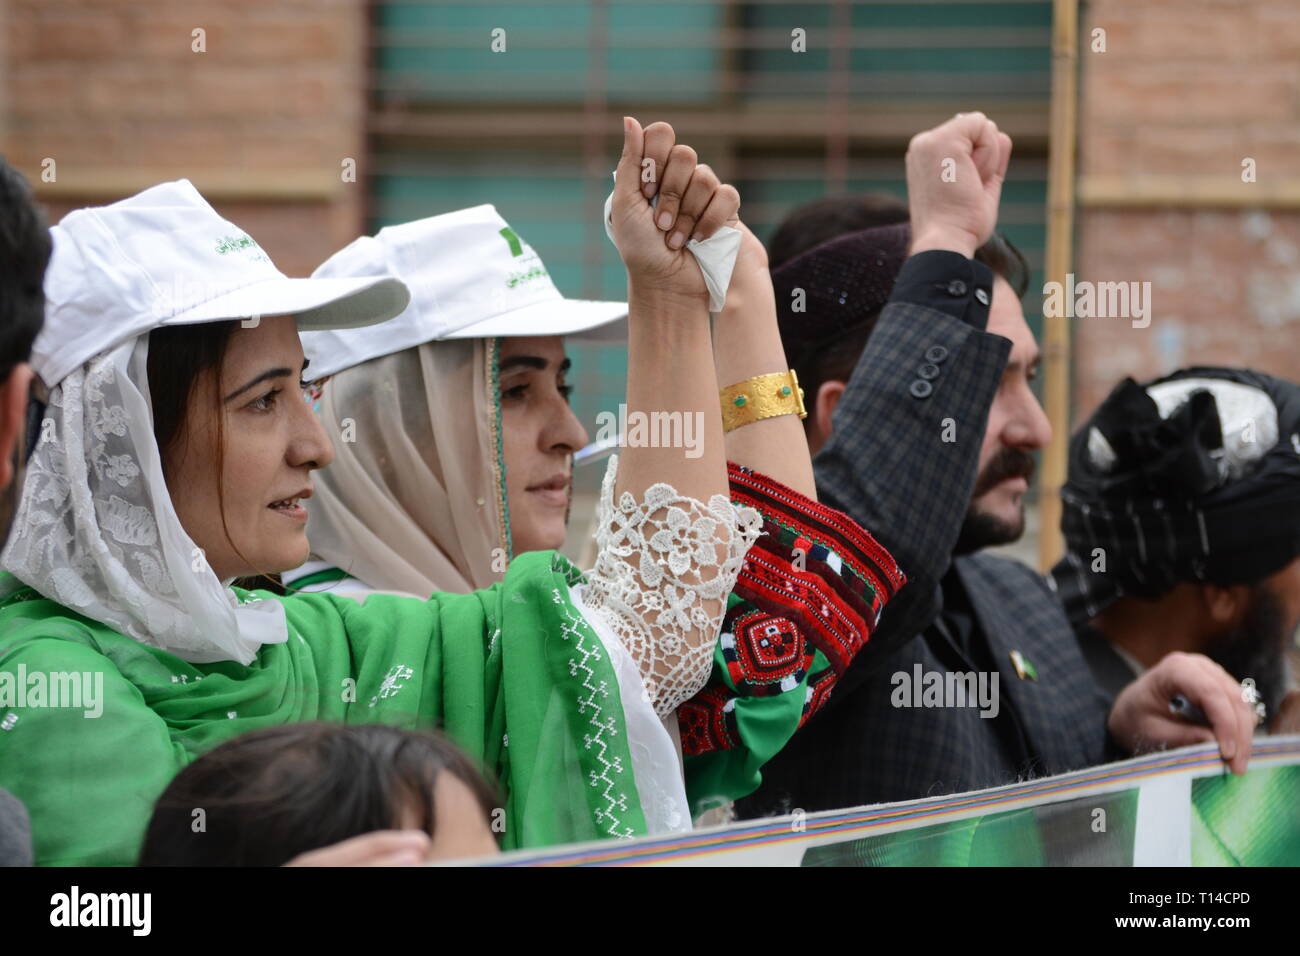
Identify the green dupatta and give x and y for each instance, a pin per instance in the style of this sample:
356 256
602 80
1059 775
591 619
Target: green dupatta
512 674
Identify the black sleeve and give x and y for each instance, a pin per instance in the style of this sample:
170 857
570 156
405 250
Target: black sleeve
906 437
947 282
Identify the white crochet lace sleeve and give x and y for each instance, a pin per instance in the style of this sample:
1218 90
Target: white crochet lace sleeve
664 567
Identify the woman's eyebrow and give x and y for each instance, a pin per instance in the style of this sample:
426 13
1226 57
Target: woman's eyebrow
268 374
524 361
532 361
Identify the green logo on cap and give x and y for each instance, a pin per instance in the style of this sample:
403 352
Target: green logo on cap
534 271
516 247
232 243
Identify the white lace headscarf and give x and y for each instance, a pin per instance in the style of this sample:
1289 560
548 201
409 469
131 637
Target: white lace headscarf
96 530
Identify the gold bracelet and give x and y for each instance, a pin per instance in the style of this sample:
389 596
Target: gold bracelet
760 397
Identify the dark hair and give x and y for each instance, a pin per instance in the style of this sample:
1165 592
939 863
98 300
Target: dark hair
824 219
25 247
269 795
178 357
835 359
1006 261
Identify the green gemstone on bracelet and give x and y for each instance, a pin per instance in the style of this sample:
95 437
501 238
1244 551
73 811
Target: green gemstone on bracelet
785 390
740 401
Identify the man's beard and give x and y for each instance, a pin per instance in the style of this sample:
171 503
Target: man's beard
1257 648
981 529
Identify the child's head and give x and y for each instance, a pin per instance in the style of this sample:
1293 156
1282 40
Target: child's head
270 795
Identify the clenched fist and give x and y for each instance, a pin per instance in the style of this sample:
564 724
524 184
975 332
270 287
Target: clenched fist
692 204
954 183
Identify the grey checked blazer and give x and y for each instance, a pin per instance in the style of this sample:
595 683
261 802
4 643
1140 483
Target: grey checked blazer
887 466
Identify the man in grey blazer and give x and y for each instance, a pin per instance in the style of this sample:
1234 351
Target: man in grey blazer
929 444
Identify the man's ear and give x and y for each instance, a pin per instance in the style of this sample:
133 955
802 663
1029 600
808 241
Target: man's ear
1224 606
13 408
828 396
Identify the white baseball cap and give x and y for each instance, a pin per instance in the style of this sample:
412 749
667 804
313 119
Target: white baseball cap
470 276
164 257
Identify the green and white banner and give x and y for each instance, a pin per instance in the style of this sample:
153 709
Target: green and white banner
1173 808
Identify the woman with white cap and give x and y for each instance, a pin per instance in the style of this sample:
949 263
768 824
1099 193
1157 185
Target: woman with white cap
437 423
450 418
173 458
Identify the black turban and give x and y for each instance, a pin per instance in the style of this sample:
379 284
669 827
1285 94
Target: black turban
1191 477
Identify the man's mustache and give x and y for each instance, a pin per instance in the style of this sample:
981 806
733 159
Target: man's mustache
1007 463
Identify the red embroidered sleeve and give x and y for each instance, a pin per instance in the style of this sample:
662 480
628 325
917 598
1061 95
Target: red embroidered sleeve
808 597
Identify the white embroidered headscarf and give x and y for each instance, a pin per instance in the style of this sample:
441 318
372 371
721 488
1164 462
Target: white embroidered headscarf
96 530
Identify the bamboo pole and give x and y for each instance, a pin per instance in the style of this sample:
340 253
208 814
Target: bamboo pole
1060 233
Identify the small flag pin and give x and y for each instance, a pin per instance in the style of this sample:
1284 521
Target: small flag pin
1024 667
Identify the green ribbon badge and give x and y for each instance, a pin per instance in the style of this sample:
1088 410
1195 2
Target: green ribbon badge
1024 667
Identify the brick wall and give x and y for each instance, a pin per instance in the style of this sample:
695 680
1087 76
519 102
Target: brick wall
1185 91
261 121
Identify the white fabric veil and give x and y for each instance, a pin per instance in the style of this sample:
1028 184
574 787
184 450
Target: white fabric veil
96 531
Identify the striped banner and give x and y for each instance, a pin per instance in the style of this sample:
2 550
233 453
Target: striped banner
1175 807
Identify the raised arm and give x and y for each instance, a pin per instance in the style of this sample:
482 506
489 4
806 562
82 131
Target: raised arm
669 540
887 463
747 343
670 349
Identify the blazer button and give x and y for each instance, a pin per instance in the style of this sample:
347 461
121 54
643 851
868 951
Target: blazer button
921 388
956 287
981 297
928 372
936 354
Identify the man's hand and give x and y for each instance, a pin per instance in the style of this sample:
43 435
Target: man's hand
692 204
954 183
381 848
1141 720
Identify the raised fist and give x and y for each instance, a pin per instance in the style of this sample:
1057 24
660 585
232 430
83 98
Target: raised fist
692 204
954 183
